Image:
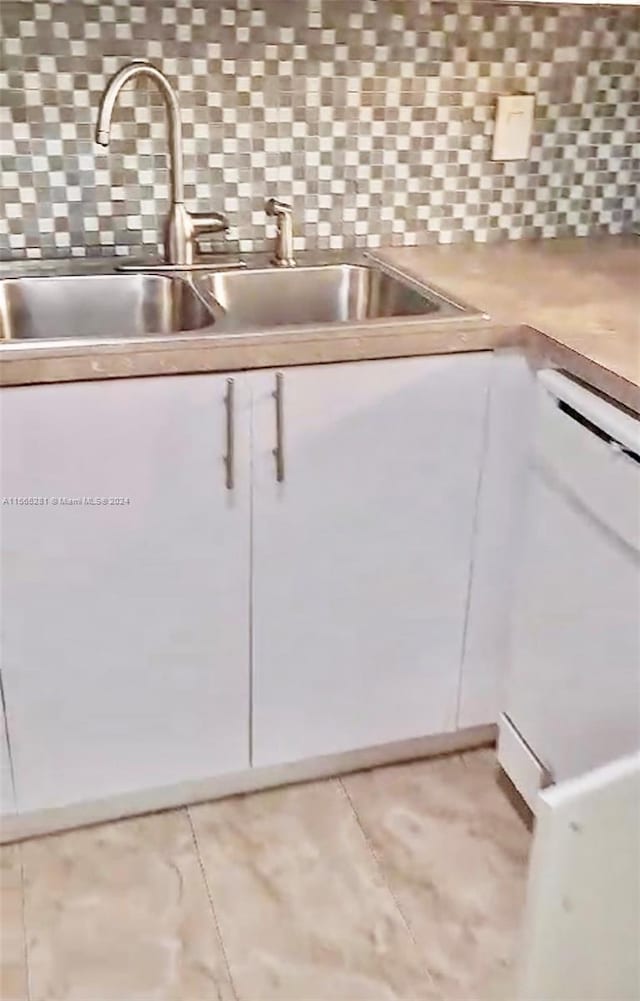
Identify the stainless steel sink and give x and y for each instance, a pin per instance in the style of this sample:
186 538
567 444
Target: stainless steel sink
98 306
333 293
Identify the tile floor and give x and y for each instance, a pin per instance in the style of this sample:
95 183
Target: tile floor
405 882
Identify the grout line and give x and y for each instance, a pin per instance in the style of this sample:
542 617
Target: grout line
23 909
214 915
381 869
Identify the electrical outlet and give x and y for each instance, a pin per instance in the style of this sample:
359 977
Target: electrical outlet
514 125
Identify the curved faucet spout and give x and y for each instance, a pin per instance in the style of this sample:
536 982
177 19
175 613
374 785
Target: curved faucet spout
140 67
182 228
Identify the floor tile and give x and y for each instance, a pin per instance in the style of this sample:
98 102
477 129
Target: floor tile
493 782
13 970
455 855
120 912
303 910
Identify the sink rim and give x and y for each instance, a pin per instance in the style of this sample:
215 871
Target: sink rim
220 329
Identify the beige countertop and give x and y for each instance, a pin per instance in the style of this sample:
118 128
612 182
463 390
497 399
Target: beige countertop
576 302
582 294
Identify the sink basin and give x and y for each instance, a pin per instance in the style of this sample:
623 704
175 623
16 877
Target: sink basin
98 306
332 293
94 307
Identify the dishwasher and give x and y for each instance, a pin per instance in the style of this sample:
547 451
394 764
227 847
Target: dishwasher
572 699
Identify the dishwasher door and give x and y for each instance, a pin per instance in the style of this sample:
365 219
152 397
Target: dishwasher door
573 693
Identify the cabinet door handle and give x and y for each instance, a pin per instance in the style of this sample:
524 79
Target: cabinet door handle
229 459
279 449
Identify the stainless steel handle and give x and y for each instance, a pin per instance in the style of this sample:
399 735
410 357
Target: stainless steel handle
230 456
279 449
203 223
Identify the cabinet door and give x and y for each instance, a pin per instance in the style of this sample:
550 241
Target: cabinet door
573 692
496 539
574 688
582 916
126 633
362 551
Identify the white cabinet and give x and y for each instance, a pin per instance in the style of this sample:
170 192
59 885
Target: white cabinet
126 625
497 532
190 628
574 685
361 554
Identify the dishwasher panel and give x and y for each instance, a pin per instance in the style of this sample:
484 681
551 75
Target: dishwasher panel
573 692
591 450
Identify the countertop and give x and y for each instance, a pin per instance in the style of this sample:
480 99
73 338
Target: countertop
574 302
578 298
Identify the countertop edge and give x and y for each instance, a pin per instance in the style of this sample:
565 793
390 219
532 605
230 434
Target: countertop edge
238 353
544 349
541 348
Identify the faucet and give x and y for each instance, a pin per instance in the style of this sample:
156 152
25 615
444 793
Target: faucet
283 250
182 227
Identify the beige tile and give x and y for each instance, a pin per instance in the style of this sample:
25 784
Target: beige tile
455 854
120 912
304 912
13 970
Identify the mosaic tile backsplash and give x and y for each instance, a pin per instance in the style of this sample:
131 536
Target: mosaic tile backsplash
374 117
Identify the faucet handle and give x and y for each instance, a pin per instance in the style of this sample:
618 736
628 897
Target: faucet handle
207 222
200 224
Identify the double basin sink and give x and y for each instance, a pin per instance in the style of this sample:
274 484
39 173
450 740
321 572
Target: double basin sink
132 306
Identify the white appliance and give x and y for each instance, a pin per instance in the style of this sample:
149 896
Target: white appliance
573 693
